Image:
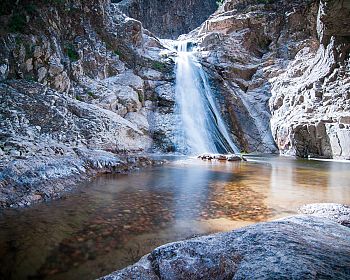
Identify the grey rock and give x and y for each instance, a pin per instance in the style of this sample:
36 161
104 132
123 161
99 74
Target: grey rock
293 126
300 247
32 179
336 212
41 74
169 19
43 134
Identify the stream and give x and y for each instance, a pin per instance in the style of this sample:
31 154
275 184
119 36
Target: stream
113 220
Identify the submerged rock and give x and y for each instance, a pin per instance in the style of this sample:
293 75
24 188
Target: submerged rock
28 180
299 247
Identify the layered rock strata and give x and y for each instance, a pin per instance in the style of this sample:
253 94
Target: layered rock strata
310 100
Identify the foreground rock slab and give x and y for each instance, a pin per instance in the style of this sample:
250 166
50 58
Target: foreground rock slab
299 247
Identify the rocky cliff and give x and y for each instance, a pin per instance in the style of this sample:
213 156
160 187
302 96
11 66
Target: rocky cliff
168 18
77 78
281 67
311 99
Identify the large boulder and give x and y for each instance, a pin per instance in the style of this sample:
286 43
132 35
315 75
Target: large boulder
300 247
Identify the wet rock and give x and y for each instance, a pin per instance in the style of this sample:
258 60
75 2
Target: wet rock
220 157
42 142
206 157
270 250
234 158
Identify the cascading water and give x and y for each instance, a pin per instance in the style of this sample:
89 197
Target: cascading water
202 127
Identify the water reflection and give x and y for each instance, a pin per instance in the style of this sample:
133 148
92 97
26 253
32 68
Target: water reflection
115 219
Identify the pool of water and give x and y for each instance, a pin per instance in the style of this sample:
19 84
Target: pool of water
113 220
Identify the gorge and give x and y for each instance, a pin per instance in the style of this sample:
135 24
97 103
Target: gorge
92 90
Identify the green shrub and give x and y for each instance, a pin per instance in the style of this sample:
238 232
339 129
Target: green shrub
6 7
29 77
56 2
18 40
141 98
29 50
265 1
71 53
158 66
30 8
91 94
17 23
118 53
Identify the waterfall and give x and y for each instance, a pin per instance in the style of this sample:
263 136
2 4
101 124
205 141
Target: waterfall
202 127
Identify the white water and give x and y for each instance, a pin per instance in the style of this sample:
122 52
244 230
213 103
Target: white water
203 129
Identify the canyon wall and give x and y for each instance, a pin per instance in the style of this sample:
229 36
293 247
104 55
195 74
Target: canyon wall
167 18
282 67
78 85
311 99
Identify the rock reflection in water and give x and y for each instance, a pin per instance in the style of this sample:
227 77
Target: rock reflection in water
116 219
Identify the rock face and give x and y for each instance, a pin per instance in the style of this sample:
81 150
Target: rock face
38 120
281 66
167 18
244 45
75 75
300 247
310 100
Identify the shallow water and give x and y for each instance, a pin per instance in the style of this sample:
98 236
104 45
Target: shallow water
113 220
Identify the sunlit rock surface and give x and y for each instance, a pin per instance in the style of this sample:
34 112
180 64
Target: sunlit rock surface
300 247
310 100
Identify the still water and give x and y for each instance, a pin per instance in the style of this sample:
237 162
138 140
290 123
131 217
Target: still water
113 220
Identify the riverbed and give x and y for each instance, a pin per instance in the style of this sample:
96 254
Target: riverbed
113 220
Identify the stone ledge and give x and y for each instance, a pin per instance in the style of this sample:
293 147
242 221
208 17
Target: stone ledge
298 247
